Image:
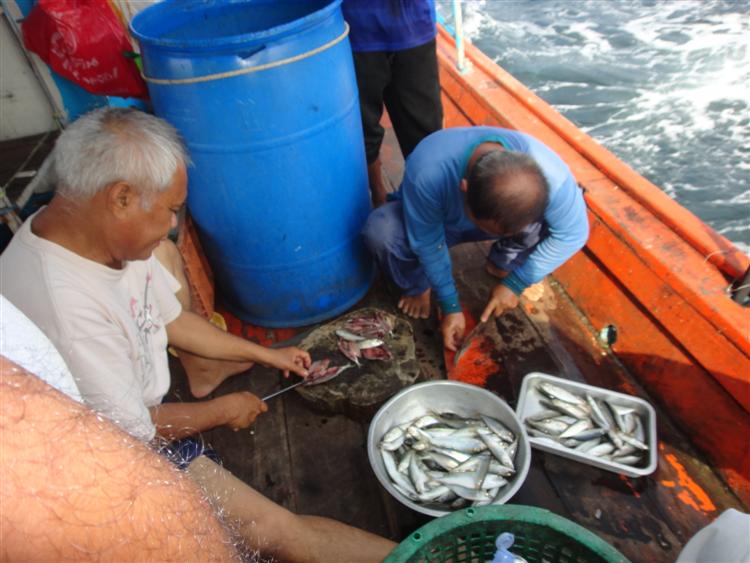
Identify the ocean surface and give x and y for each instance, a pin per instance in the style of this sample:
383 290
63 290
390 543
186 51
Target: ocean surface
663 84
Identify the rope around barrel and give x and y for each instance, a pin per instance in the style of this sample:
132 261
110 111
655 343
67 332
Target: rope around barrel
241 71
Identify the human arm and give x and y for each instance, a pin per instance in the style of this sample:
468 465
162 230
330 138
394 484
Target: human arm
452 328
425 230
174 421
78 487
568 231
195 334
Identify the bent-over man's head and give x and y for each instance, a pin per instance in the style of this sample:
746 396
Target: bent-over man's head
125 172
506 191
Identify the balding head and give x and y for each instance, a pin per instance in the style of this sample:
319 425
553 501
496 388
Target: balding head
117 145
507 188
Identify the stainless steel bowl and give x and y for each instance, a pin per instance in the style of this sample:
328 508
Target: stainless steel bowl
440 396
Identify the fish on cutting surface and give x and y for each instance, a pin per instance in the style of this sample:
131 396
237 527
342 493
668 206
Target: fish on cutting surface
350 336
362 337
350 350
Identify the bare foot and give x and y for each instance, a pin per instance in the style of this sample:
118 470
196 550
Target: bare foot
494 270
206 374
416 306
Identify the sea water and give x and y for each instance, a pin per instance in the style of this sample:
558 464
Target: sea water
663 84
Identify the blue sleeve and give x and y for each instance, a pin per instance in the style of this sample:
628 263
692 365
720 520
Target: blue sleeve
568 231
423 215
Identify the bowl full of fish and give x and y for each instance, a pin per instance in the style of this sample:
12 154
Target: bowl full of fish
441 446
596 426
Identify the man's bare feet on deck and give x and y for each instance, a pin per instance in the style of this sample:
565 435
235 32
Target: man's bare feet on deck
206 374
416 306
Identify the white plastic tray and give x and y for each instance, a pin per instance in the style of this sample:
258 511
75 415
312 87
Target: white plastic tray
529 405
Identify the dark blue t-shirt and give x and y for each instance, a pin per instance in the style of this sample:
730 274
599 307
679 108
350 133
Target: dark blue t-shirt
389 25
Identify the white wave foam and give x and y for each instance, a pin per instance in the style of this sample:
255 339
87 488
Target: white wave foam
666 91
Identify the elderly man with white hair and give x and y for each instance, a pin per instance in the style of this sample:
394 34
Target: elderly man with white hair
83 270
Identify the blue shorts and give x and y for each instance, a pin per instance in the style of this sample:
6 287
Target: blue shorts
183 452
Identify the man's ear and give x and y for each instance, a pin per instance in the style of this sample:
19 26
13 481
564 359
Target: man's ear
121 198
464 185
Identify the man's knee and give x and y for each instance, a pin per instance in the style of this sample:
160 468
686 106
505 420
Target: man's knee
169 256
384 229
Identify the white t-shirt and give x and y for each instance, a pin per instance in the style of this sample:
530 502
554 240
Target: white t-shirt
108 325
23 343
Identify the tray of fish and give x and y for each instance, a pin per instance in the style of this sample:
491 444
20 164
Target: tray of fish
596 426
443 445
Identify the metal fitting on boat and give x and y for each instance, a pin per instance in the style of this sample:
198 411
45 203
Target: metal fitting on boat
608 335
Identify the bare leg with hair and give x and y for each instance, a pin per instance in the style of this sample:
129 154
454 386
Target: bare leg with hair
204 374
75 487
273 530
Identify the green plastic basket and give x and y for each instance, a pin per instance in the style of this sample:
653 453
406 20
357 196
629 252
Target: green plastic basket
469 536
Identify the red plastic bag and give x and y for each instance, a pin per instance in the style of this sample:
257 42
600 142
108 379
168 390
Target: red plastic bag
84 41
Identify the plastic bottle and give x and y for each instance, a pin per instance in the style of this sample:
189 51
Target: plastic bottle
502 555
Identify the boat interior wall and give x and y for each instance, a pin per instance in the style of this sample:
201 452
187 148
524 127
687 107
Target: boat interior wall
198 270
644 269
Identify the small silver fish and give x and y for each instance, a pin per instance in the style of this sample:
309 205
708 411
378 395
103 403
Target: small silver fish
369 343
576 411
417 475
497 448
350 336
556 392
590 434
633 441
575 429
435 493
498 428
443 460
470 494
584 447
602 449
597 413
628 459
551 427
396 476
403 465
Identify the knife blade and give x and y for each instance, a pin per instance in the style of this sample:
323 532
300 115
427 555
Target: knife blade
467 341
284 390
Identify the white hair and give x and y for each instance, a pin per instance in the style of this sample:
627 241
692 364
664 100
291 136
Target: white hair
117 144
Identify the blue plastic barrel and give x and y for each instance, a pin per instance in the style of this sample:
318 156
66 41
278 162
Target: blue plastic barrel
265 96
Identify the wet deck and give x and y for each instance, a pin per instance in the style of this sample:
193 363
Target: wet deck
317 463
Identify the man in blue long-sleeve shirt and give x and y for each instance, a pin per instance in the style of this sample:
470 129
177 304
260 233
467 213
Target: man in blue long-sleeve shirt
470 184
